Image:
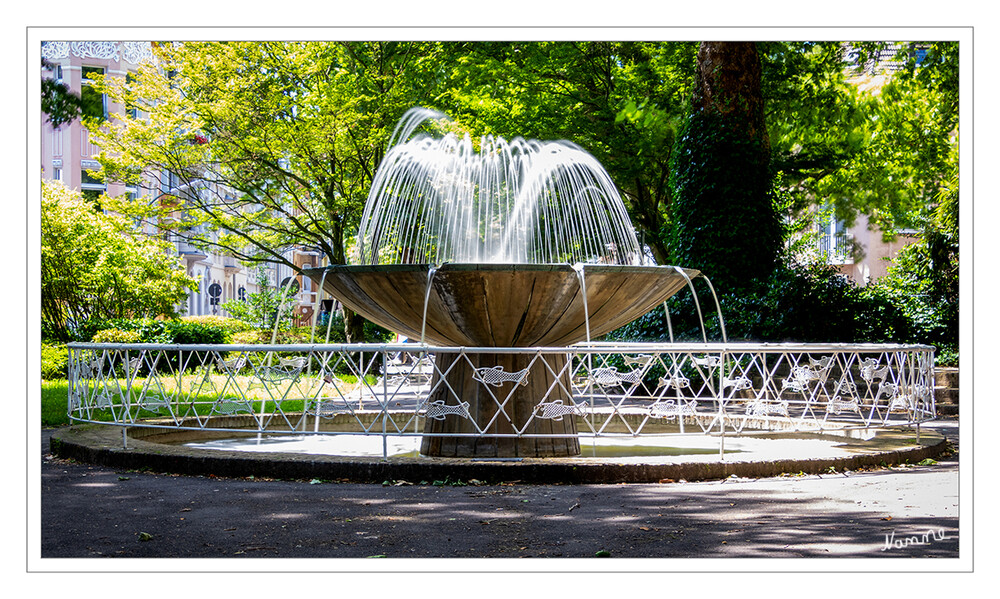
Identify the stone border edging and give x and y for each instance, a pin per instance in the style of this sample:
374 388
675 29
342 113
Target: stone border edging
102 446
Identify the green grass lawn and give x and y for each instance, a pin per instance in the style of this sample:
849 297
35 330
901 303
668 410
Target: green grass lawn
55 395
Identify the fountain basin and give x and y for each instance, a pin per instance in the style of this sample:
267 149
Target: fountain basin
501 305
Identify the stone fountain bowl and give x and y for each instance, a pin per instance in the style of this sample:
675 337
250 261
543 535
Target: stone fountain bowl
500 305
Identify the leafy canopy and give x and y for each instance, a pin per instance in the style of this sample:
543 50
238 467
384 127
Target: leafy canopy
273 144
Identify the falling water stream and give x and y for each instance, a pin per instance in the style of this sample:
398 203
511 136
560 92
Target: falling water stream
437 200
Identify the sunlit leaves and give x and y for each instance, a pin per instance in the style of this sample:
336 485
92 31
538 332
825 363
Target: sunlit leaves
95 265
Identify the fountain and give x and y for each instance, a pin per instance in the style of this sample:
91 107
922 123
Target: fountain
499 259
514 244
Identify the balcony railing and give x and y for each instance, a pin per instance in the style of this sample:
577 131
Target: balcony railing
837 248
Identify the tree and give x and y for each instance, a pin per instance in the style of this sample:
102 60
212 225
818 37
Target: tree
621 101
833 142
95 266
923 279
273 144
724 222
265 307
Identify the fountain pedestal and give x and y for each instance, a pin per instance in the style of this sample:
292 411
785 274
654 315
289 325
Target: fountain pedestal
501 409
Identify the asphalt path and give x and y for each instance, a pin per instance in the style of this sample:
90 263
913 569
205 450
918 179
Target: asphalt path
96 512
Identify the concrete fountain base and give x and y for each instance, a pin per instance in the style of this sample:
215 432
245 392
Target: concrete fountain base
154 450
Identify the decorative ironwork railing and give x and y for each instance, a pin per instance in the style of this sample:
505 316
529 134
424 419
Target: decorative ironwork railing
133 52
611 389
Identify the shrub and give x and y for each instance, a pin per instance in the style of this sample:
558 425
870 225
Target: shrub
184 332
116 336
249 338
231 326
804 305
54 361
910 286
263 337
150 331
946 356
153 331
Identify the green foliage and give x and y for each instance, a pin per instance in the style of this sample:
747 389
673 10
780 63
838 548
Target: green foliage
54 361
253 337
306 335
263 337
908 285
621 101
155 331
922 281
793 304
863 142
297 129
195 333
150 330
96 266
946 356
230 325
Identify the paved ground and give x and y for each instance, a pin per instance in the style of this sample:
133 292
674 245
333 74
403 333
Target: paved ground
90 511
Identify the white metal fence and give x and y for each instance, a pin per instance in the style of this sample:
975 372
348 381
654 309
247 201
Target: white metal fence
615 389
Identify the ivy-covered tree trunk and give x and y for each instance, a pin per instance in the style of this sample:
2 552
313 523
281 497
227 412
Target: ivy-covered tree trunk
724 222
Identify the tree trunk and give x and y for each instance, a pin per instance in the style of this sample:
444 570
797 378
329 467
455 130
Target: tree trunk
724 222
354 326
728 82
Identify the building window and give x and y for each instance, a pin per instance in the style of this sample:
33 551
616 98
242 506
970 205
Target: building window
92 196
169 181
130 109
95 105
57 173
88 181
91 187
836 245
